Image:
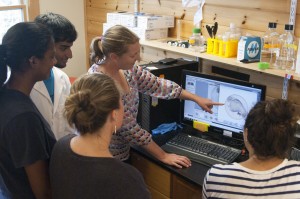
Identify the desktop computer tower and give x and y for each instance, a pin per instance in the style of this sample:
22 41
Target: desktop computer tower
152 111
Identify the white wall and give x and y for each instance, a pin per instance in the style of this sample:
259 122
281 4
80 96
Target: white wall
74 11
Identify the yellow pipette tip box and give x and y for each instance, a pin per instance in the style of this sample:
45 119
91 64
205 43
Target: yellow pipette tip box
201 126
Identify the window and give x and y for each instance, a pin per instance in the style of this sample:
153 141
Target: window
11 12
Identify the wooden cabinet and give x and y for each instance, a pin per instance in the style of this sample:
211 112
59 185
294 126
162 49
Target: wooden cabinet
157 178
155 194
163 184
183 189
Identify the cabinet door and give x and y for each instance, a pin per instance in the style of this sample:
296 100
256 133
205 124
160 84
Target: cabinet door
156 194
184 189
157 178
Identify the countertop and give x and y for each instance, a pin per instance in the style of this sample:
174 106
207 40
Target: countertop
194 174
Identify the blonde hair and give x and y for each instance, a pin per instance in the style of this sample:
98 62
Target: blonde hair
92 98
115 40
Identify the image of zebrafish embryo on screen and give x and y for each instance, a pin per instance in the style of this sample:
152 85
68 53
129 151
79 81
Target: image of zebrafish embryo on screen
237 99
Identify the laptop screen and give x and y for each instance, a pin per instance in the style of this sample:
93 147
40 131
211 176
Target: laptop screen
238 98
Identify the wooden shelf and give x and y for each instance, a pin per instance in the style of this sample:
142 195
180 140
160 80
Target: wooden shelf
162 44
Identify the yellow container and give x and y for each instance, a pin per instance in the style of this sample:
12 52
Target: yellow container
233 47
228 48
216 46
210 45
222 48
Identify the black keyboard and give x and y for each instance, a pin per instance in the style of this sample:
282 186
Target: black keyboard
201 150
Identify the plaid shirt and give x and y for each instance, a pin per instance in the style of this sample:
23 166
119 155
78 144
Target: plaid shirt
131 133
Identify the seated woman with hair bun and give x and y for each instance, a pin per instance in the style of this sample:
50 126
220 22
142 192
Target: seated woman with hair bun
82 165
268 136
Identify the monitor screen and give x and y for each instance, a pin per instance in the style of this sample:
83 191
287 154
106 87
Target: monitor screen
238 98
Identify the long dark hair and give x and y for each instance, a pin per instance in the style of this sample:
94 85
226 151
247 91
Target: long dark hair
22 41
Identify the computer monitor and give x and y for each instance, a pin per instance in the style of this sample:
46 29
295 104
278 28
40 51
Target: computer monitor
238 98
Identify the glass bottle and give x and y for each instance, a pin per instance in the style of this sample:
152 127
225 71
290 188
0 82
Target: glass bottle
233 35
271 44
288 50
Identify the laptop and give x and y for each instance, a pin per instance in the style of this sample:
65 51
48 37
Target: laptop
225 125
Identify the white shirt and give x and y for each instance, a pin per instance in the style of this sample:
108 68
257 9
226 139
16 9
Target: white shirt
53 112
236 181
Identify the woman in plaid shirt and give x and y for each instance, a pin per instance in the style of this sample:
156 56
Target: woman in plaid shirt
115 54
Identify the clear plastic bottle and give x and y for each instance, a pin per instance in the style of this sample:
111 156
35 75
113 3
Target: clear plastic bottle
271 45
288 50
224 46
234 32
230 41
195 39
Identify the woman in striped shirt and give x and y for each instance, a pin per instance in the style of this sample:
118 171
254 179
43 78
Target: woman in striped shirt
268 136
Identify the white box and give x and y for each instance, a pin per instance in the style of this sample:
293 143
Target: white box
249 48
128 19
150 34
113 18
121 18
143 34
155 21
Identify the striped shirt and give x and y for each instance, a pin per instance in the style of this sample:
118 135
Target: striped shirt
236 181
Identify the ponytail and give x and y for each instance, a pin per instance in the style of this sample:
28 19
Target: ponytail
96 54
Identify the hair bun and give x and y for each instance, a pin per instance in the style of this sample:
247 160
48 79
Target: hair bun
85 102
84 99
83 106
279 111
92 99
